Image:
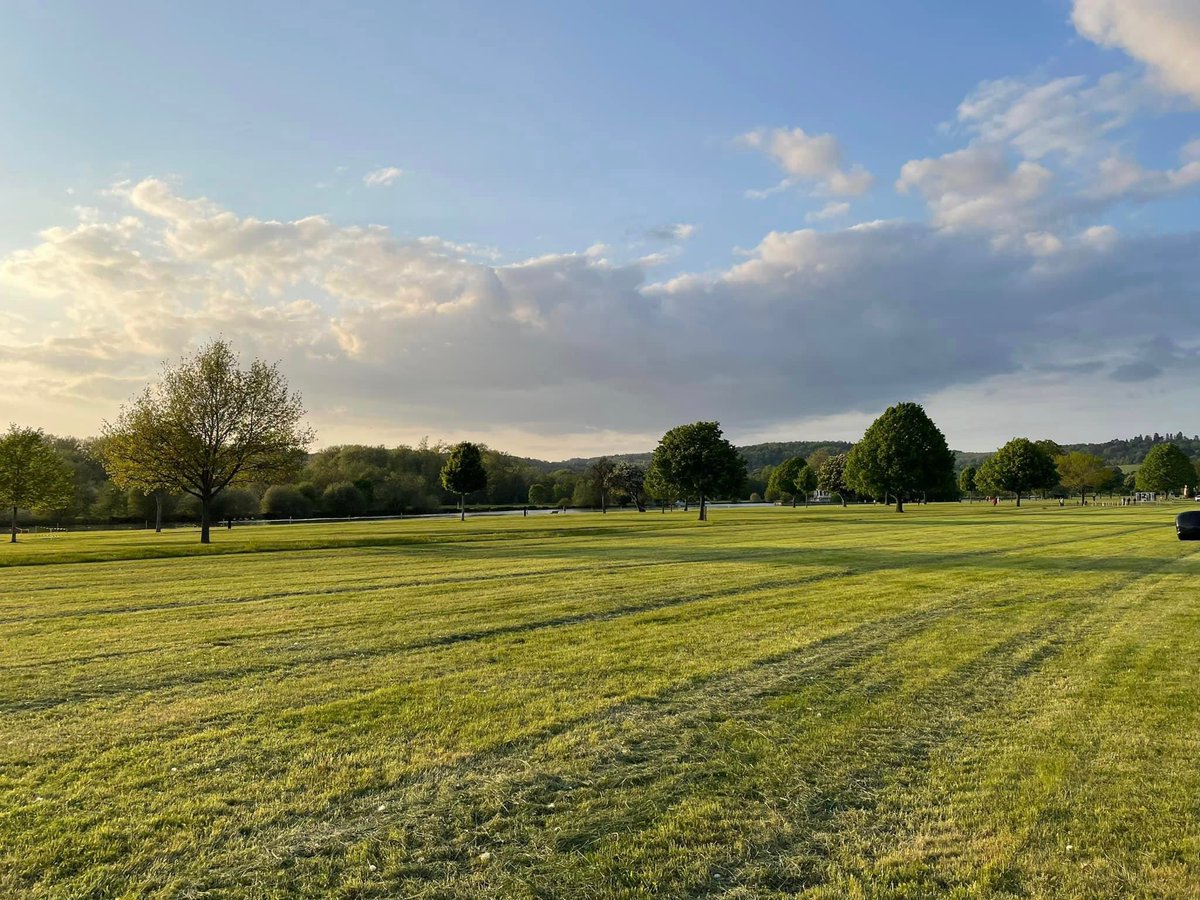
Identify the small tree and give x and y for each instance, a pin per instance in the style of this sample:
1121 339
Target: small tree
1020 466
32 475
966 481
832 477
629 480
601 474
901 455
540 494
464 474
285 501
1166 469
206 425
696 461
781 485
1081 472
805 482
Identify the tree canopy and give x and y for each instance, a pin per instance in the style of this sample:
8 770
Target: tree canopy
464 473
782 483
206 425
832 477
805 482
32 475
1166 469
1081 472
696 461
901 455
967 480
1020 466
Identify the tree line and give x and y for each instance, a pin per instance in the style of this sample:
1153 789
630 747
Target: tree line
212 440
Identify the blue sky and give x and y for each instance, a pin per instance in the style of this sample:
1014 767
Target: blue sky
586 185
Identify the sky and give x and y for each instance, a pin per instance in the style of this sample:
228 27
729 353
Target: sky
562 228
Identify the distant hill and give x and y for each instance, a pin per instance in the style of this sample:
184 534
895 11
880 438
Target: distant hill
1117 452
756 455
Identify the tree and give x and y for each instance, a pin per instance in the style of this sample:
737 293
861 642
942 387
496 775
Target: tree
805 482
629 481
343 500
1020 466
1166 469
463 473
1081 472
966 481
696 461
831 477
601 473
901 455
1053 451
206 425
32 475
285 501
782 483
540 495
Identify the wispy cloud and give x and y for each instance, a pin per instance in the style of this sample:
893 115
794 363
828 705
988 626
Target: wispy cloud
382 177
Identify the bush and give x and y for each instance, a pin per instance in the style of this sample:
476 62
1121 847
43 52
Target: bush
283 501
342 500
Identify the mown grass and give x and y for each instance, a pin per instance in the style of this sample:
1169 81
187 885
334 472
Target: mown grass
961 700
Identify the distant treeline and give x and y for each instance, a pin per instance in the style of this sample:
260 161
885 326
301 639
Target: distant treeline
359 480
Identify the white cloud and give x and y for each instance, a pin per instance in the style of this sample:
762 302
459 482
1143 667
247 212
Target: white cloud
828 211
419 334
680 231
385 177
811 159
1163 34
979 188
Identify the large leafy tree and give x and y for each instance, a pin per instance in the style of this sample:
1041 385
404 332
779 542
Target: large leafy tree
1081 473
832 477
696 461
782 483
1166 469
463 473
902 455
206 425
32 475
1018 468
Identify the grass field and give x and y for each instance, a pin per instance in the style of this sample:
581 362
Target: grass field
825 703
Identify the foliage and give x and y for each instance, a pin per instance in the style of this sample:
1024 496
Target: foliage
831 477
207 425
805 481
1017 468
32 475
343 499
782 482
1082 473
967 481
696 461
284 501
600 474
628 482
1166 469
540 495
463 472
902 455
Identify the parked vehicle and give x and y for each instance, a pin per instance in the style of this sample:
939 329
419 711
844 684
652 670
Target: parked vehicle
1187 525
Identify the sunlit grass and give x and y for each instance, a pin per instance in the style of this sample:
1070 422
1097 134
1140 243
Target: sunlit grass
825 702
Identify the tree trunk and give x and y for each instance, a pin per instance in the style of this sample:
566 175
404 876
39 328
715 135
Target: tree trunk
462 507
204 518
158 512
806 499
793 501
899 503
843 499
13 539
1018 499
703 509
1082 498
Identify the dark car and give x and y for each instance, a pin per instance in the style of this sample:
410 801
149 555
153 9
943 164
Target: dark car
1187 525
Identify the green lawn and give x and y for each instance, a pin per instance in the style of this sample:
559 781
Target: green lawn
825 703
